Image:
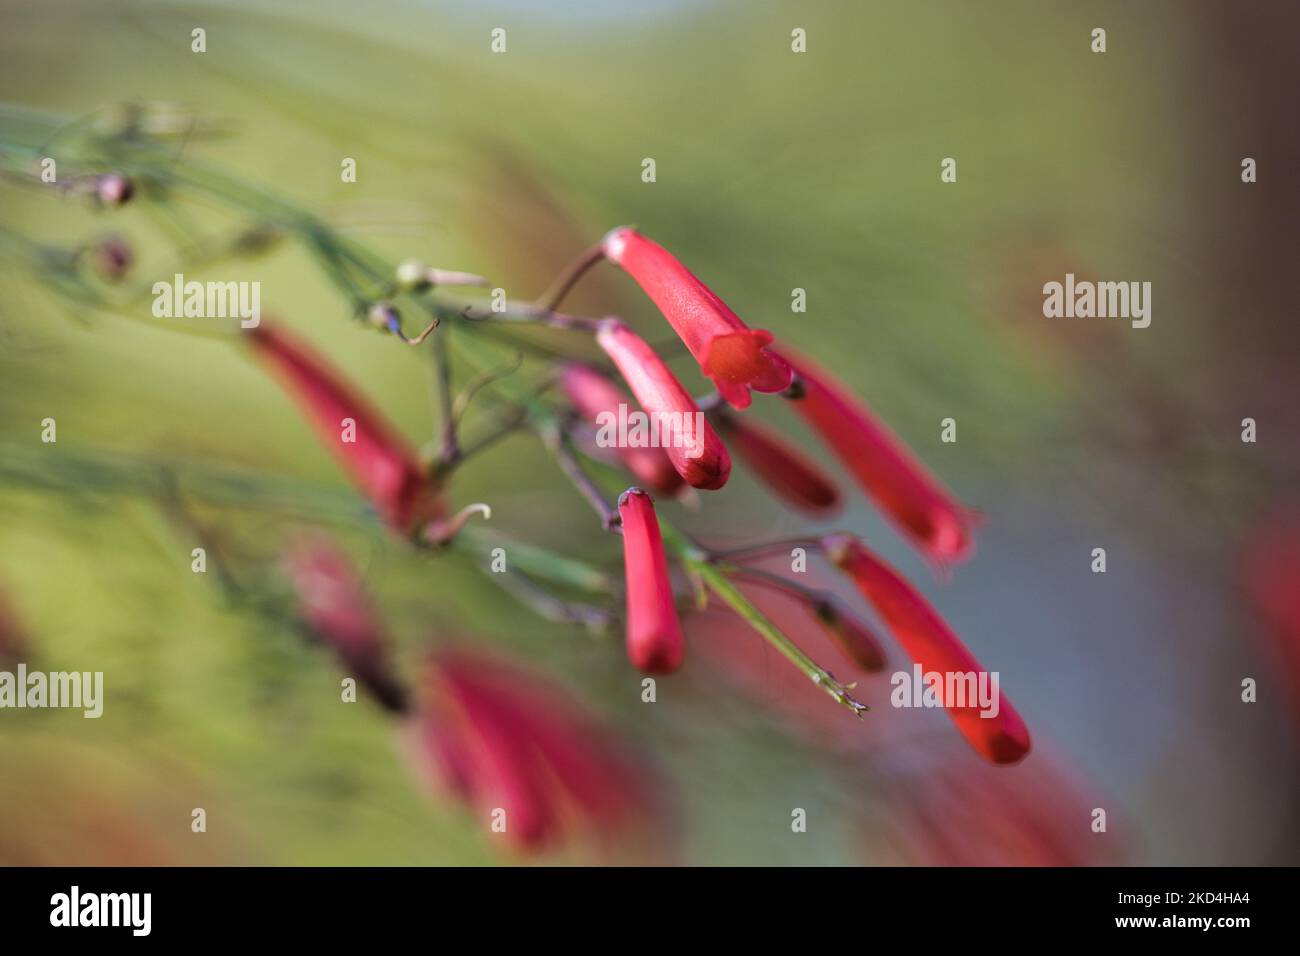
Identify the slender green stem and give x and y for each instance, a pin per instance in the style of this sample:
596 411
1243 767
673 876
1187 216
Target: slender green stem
697 561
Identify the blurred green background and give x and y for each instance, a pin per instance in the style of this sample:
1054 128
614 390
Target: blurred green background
774 171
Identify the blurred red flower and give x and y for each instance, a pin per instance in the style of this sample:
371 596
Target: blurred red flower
902 486
381 462
334 608
525 755
781 466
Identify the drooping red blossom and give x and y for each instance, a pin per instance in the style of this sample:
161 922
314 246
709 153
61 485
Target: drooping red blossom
781 466
851 635
504 739
931 643
335 609
730 353
383 465
705 464
903 487
654 633
593 395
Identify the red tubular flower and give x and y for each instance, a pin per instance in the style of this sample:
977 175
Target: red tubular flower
784 468
505 740
654 634
887 472
858 642
733 355
932 644
593 395
334 608
383 465
705 465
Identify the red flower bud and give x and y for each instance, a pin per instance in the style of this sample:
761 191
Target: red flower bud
654 634
509 741
1002 738
733 355
706 463
334 608
783 467
903 487
383 465
593 395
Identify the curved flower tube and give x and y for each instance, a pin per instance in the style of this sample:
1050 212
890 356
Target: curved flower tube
733 355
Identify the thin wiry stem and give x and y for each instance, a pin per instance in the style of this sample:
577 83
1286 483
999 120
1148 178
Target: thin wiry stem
698 562
480 381
766 549
468 451
531 314
550 300
449 449
547 605
562 447
778 583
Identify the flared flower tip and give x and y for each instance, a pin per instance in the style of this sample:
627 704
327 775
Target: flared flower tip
730 353
654 634
1000 738
738 361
